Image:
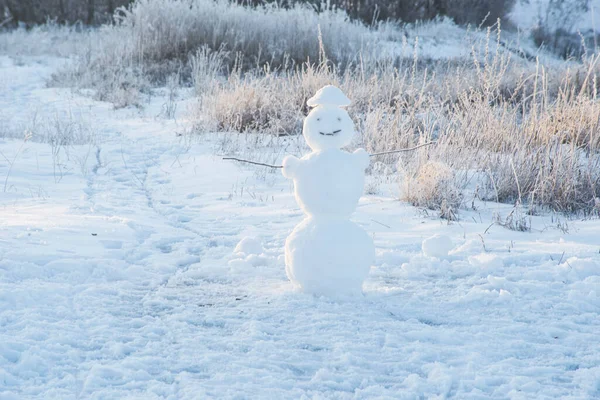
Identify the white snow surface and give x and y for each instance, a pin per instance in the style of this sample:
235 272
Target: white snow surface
118 278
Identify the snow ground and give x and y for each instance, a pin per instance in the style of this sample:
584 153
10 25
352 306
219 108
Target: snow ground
119 277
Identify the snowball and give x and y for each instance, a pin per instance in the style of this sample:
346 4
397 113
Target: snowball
329 183
329 256
329 95
437 246
328 127
249 245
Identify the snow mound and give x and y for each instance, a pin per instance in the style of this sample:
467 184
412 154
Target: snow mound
437 246
249 245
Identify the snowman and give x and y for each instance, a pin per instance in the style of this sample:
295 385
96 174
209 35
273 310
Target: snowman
327 253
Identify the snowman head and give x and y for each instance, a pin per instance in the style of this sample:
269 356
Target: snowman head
328 126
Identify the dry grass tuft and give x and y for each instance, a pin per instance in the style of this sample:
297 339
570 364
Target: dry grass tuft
433 187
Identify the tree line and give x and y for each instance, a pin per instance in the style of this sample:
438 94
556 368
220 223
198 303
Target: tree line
369 11
33 12
94 12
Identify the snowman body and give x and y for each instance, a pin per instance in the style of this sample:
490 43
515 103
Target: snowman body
327 253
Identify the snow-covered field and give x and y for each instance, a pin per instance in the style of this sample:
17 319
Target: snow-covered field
120 278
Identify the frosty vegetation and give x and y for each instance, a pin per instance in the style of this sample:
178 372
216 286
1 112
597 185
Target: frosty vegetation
511 124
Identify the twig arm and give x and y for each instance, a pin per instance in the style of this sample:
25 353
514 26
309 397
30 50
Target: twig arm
253 162
402 150
370 155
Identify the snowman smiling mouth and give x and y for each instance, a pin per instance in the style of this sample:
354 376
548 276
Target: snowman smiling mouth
331 133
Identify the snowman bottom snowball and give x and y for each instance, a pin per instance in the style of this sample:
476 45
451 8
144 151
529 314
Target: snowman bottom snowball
328 256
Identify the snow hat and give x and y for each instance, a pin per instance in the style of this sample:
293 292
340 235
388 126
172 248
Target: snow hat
329 95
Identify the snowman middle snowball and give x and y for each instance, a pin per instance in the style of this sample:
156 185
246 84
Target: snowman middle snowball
327 253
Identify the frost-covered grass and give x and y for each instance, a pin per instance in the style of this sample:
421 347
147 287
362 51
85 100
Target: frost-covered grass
510 128
50 39
155 38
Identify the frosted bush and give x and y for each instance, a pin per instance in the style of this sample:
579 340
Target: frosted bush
153 39
207 66
162 29
433 187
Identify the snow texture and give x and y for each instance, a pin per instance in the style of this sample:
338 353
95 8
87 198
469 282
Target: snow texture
119 279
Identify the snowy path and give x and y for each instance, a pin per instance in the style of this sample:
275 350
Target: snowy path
120 280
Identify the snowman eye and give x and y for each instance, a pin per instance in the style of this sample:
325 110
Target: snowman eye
340 119
318 119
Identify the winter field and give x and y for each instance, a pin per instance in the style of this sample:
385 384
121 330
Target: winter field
135 263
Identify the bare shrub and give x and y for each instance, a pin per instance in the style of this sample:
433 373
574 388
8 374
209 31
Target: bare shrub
253 104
